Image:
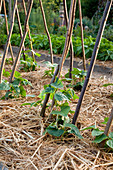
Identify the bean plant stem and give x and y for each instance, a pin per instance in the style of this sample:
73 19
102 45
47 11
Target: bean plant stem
93 58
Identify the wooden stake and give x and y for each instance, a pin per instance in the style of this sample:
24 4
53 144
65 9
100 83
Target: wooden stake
7 29
46 29
47 95
109 123
93 58
8 41
0 6
20 29
71 44
24 6
65 51
69 34
22 41
82 37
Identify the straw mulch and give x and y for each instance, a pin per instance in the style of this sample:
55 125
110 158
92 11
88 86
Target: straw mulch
23 145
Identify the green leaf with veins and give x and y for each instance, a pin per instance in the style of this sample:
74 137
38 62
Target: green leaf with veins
97 132
74 130
111 135
100 138
63 112
54 131
57 84
60 96
110 143
4 86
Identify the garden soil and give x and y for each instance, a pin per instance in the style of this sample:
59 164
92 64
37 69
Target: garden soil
23 145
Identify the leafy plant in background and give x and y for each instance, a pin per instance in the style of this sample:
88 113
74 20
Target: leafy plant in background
62 31
28 64
16 88
100 136
41 42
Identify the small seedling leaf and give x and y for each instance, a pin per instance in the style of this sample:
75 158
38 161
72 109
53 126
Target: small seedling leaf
4 86
100 138
64 111
105 120
57 84
109 84
111 135
54 131
110 143
49 90
74 130
60 96
97 132
90 127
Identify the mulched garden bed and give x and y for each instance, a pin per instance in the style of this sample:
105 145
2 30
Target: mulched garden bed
23 145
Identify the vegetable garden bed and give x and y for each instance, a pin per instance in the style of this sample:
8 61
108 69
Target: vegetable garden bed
23 145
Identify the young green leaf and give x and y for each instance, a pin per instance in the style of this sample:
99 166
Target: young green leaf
64 111
49 89
97 132
111 135
6 73
17 74
100 138
109 84
60 96
105 120
57 84
90 127
54 131
74 130
110 143
22 91
4 86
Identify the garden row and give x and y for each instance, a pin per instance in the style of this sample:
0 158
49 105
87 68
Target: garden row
41 42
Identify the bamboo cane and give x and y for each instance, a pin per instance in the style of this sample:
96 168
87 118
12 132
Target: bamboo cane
7 29
0 5
42 113
82 37
20 29
71 44
24 6
65 51
93 58
8 41
22 41
69 34
46 29
107 128
109 123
